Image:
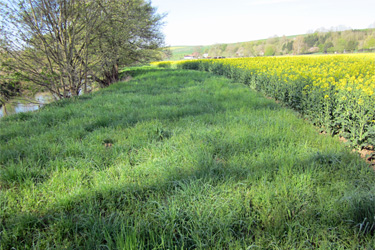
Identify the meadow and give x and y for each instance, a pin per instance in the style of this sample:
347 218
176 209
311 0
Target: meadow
177 159
178 52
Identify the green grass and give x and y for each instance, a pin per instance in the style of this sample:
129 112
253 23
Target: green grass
179 52
178 160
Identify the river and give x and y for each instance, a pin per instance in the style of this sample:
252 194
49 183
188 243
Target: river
17 106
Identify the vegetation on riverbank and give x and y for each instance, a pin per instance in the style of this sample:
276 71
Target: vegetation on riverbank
178 159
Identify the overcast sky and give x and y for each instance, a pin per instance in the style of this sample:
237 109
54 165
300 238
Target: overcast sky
205 22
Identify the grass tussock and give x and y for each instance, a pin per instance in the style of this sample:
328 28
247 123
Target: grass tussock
178 160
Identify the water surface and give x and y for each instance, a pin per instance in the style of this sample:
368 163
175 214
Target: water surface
19 106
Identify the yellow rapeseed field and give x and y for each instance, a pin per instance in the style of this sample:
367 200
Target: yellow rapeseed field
345 72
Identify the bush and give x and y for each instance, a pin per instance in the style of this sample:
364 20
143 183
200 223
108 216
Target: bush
166 65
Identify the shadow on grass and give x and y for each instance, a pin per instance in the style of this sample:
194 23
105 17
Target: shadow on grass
169 214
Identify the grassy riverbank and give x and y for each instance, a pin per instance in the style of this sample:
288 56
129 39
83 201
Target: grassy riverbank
178 159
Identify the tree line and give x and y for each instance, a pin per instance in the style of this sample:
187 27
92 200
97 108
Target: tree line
65 46
347 41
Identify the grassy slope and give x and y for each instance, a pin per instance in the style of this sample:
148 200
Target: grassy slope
178 159
179 52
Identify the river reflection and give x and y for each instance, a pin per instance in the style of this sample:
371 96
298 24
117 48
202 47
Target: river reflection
23 106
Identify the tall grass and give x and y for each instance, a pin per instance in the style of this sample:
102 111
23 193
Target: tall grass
178 160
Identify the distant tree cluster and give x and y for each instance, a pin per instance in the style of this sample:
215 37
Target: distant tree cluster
346 41
66 45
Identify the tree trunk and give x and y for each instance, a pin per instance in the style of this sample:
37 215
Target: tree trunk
110 77
5 112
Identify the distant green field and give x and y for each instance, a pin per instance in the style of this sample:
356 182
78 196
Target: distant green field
179 52
178 159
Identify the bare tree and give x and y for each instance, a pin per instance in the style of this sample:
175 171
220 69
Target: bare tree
129 34
299 45
62 44
48 42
